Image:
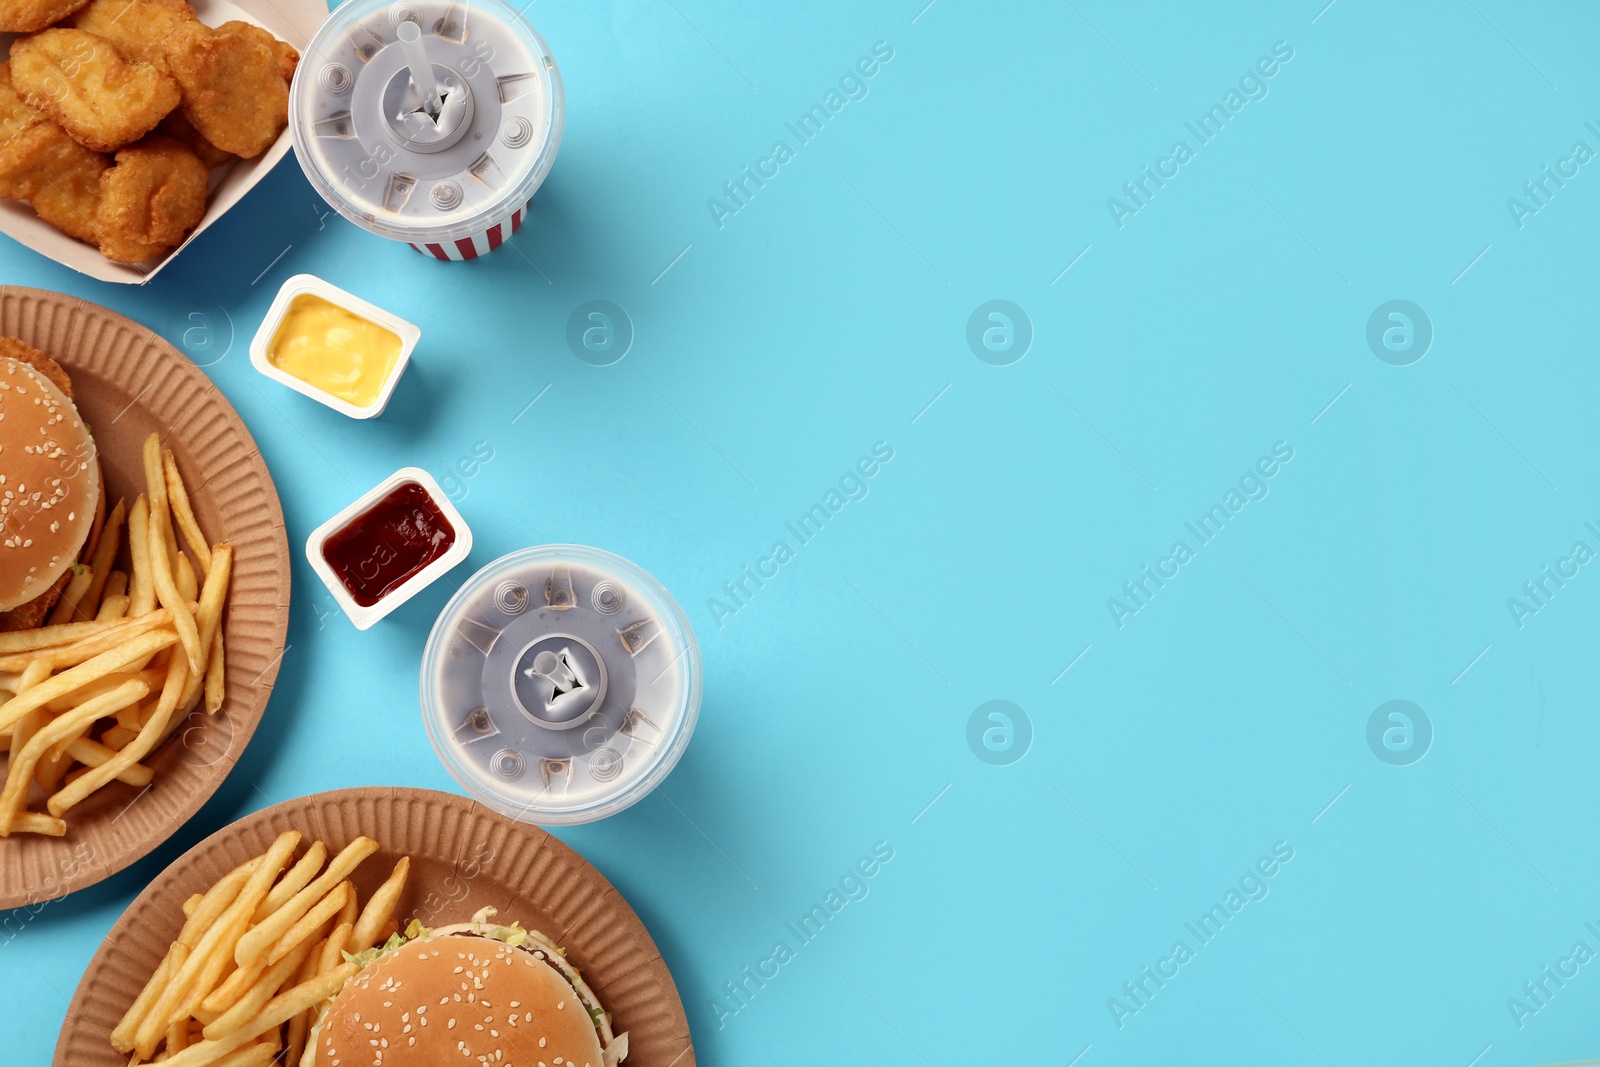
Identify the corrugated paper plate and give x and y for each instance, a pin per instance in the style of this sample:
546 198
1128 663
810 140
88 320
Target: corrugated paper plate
129 382
463 857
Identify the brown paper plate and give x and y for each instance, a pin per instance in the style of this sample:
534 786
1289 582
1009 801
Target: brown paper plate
129 382
463 857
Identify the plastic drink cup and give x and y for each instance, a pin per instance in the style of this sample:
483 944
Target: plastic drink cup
431 123
560 684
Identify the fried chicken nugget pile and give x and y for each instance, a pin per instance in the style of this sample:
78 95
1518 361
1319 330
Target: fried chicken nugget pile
143 79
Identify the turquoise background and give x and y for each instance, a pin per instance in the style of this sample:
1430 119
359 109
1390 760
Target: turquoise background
1229 715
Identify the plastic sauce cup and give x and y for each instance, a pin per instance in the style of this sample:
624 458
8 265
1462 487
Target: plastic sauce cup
310 286
449 167
371 545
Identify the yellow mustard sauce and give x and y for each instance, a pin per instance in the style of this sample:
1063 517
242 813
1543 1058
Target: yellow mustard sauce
335 350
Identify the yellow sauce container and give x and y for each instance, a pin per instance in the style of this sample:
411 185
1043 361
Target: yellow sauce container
333 347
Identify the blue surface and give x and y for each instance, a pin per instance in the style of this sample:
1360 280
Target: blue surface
1225 318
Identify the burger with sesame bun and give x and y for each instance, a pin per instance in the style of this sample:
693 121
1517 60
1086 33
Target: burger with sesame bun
51 498
477 994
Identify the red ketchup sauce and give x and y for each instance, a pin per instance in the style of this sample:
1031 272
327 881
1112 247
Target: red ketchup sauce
389 543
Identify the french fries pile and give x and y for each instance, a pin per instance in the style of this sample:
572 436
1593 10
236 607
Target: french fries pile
127 653
261 953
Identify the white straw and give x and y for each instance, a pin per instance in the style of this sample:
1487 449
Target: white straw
421 69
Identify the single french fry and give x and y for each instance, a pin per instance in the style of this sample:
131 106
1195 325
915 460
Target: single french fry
68 701
35 673
183 514
37 696
308 1056
116 585
335 947
132 717
192 903
201 971
208 617
167 592
298 878
122 1034
149 735
216 684
188 585
111 635
112 608
300 1026
105 554
257 1055
256 997
26 727
350 914
118 738
380 907
255 944
77 587
47 637
22 734
54 763
20 771
141 584
310 924
226 995
155 479
177 1036
34 822
92 753
279 1010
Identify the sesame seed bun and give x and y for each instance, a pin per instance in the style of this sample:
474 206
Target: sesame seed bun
459 998
49 483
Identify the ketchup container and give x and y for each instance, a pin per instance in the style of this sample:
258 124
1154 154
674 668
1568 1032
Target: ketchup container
389 545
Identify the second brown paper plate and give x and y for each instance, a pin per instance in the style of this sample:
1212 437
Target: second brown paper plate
129 382
463 857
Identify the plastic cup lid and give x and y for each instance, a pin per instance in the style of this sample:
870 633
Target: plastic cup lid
560 684
426 168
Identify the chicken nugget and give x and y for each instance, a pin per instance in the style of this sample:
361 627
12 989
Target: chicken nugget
179 128
234 87
15 114
56 175
288 58
25 16
79 81
150 200
137 29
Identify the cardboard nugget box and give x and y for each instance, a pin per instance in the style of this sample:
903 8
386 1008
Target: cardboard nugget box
293 21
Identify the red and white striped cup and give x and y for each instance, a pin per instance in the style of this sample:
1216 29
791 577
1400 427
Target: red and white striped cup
478 244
